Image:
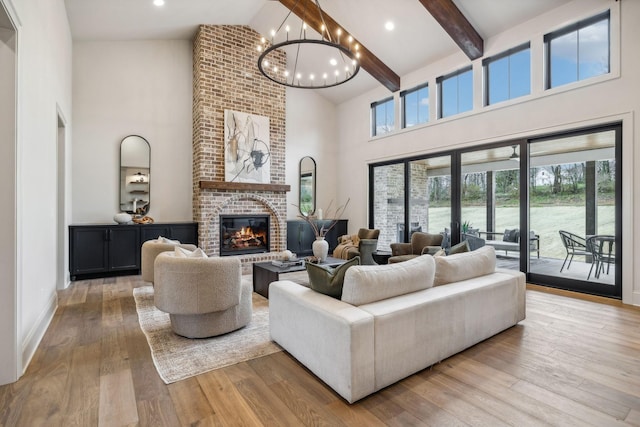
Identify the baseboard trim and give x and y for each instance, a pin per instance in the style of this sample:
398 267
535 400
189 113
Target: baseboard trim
33 339
580 295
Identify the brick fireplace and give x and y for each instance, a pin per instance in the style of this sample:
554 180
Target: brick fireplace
225 76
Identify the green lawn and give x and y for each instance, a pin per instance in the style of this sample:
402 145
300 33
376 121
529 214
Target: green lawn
545 221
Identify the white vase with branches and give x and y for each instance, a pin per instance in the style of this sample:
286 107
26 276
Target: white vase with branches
320 246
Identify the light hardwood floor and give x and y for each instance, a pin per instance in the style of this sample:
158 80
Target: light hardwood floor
571 362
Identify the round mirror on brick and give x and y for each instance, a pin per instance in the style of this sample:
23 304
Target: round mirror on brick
135 170
307 199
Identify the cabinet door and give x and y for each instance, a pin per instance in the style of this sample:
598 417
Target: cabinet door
186 233
299 237
88 250
307 237
338 230
150 232
124 249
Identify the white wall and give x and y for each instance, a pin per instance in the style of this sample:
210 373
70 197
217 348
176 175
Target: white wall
608 99
44 88
311 131
132 87
8 289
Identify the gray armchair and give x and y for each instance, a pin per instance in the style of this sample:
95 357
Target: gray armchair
421 244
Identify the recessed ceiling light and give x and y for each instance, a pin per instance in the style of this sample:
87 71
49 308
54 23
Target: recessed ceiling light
389 26
158 2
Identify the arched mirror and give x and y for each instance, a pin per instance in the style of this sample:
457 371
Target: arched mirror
307 200
135 169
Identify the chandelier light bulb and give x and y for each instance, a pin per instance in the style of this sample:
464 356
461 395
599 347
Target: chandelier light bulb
337 73
333 62
158 2
275 69
350 39
304 26
298 76
259 48
286 73
263 40
311 77
273 33
324 76
287 28
266 63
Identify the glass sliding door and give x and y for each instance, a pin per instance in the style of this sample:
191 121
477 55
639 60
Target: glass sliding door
387 189
430 195
490 201
550 206
574 207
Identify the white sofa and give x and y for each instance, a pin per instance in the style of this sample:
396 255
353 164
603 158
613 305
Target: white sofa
392 321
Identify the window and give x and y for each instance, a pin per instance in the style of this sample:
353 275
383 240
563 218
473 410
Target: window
415 106
382 117
455 92
507 75
578 52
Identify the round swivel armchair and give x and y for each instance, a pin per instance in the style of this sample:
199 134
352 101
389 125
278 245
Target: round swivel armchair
204 297
150 250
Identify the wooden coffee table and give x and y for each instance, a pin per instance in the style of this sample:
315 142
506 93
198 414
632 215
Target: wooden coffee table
264 273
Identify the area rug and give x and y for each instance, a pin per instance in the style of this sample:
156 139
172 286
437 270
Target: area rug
177 358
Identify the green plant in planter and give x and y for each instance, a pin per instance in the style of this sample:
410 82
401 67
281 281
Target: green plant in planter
465 226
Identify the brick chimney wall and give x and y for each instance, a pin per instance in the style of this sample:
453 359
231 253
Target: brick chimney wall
226 77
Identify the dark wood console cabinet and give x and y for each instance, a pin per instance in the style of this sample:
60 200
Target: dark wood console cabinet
300 236
104 250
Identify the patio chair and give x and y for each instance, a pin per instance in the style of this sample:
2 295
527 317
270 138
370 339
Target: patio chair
602 248
574 245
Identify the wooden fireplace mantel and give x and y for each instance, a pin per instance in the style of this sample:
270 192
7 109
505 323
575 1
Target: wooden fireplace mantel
244 186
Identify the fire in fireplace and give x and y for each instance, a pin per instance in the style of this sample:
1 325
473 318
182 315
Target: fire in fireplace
244 234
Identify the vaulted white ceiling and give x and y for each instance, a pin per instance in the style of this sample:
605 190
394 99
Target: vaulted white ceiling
416 40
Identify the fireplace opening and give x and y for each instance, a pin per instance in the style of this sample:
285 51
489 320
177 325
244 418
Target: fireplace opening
244 234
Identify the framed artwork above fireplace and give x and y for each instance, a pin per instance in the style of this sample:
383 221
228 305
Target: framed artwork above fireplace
247 148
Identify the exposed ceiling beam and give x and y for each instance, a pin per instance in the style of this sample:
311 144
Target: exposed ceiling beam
457 26
307 10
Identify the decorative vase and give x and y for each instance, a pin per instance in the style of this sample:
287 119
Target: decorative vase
320 249
122 218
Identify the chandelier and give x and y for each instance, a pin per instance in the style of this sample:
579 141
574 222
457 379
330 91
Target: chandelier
315 63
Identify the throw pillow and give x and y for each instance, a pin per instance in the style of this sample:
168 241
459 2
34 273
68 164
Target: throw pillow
186 253
441 252
511 235
165 240
459 248
327 280
464 266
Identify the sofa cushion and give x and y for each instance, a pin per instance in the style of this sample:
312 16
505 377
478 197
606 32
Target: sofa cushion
328 280
364 284
459 248
463 266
